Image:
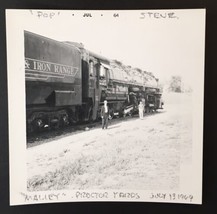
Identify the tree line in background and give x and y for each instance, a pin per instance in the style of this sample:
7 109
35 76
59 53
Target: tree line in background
177 85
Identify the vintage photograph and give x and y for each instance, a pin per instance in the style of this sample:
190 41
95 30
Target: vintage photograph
111 105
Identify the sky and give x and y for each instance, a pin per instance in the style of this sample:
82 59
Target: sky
163 46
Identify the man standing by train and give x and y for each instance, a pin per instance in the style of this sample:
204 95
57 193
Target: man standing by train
141 110
105 115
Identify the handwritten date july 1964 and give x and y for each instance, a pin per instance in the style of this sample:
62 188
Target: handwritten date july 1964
172 196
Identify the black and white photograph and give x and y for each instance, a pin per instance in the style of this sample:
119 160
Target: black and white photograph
105 105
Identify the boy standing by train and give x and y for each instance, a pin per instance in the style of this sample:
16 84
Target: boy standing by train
105 115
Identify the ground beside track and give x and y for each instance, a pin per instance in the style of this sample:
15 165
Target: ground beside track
130 154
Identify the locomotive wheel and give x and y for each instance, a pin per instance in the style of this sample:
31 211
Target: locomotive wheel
30 128
111 113
55 126
121 114
55 123
38 124
64 120
90 113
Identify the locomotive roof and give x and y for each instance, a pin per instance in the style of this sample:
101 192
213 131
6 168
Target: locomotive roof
106 60
53 40
81 47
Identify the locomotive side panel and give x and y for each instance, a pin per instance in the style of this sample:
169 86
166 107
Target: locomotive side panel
52 71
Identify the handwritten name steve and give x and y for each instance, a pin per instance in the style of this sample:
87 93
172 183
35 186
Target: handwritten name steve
158 15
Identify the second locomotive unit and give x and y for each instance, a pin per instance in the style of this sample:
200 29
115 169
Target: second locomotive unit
65 83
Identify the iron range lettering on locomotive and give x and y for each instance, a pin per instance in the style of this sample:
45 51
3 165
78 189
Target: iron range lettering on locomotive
49 68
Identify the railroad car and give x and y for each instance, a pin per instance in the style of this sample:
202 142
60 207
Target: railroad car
66 83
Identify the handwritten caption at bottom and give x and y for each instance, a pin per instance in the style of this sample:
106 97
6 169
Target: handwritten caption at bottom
79 195
111 195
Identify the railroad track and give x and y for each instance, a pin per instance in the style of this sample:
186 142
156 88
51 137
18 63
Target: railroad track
47 136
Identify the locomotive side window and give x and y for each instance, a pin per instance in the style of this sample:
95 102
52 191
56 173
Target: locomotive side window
102 72
108 75
91 68
122 88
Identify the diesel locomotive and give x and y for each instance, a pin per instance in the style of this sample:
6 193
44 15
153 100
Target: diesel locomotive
67 84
